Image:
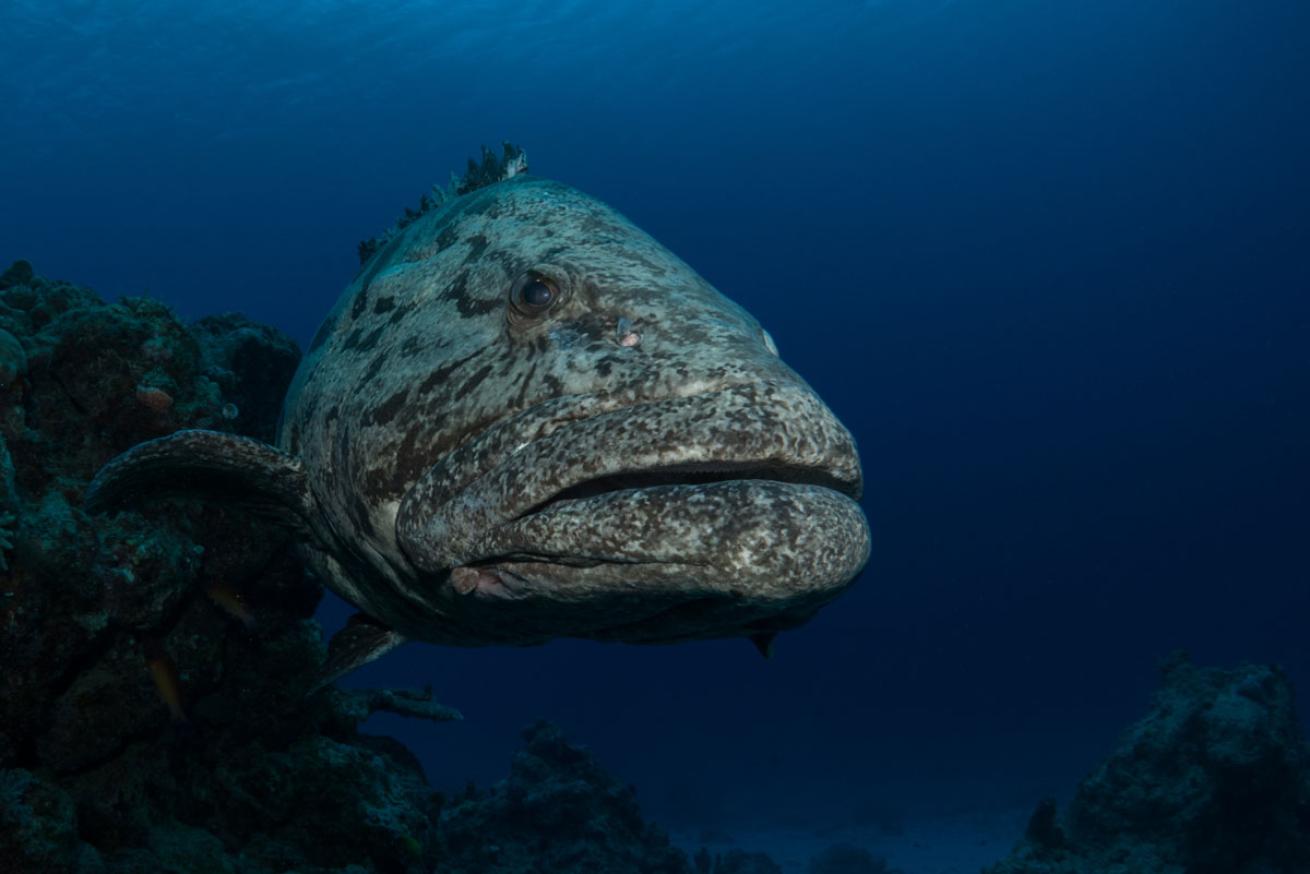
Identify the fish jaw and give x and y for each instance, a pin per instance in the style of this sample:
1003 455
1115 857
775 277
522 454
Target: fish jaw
721 513
722 559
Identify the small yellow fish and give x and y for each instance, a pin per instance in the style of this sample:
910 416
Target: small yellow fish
164 673
231 602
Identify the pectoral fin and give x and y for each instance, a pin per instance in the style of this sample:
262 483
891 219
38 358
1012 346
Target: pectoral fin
360 642
218 466
764 642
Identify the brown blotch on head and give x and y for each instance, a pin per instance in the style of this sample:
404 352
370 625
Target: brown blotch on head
384 412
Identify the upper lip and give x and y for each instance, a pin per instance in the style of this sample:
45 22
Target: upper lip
694 474
768 430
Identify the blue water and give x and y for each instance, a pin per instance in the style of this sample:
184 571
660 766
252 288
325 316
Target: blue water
1049 261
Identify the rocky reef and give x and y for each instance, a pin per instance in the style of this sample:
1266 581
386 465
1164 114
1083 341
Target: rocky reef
1215 780
153 707
555 789
847 859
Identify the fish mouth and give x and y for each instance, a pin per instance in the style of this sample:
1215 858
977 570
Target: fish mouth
711 514
691 475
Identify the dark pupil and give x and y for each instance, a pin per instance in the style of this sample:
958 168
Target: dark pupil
537 293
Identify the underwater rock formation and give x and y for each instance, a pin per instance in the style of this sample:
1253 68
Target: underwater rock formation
153 709
151 703
1215 780
252 365
734 862
557 811
847 859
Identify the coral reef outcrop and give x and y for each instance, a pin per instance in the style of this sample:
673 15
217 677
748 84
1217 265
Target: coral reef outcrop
734 862
847 859
1215 780
152 708
558 790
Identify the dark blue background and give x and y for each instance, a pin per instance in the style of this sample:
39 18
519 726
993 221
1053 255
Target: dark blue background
1049 261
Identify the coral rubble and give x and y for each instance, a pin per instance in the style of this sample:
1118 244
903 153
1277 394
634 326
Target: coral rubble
153 707
1215 780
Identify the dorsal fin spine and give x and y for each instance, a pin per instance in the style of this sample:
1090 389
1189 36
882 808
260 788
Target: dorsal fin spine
512 162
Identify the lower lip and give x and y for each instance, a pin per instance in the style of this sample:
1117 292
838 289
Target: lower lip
772 536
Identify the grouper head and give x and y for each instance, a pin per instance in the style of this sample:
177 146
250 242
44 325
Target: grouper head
555 427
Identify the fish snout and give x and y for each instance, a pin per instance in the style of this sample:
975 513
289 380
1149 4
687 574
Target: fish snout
702 515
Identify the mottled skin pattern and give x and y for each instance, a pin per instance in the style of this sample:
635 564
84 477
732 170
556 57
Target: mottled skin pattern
706 490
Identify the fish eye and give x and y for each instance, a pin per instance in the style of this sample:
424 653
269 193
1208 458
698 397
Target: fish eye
534 293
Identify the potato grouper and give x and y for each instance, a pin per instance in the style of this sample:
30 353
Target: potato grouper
526 419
